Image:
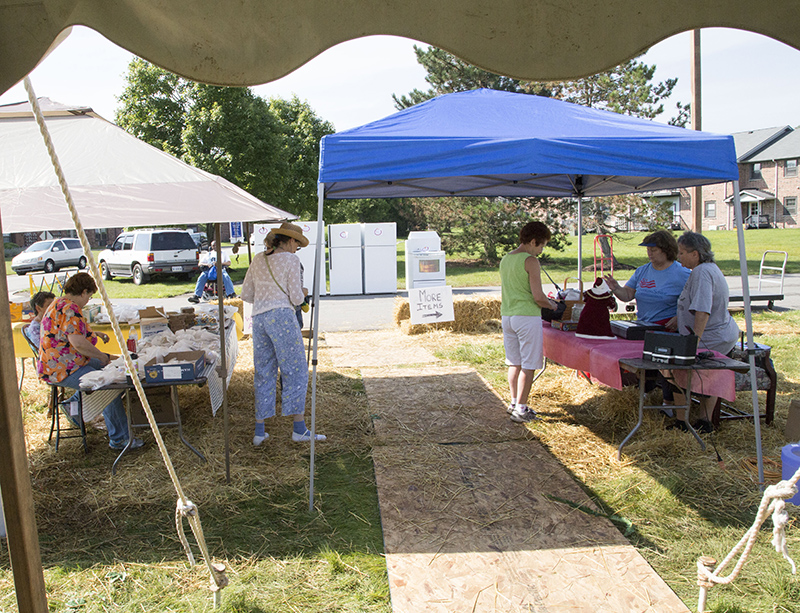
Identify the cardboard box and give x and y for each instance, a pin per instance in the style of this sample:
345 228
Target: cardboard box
160 403
190 366
90 312
152 321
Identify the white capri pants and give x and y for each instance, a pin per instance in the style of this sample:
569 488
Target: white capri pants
523 341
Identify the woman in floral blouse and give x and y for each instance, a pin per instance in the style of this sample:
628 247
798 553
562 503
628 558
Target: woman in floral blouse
67 351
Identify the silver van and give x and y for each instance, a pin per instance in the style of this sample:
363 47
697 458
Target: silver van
140 254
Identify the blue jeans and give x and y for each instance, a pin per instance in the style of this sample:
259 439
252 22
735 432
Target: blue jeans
277 343
201 282
113 414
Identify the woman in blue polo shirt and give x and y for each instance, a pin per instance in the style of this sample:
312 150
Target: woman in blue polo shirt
656 285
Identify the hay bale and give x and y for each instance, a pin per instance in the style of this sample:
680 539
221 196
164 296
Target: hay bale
236 302
471 315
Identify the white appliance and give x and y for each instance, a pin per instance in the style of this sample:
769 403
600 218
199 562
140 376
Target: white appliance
380 258
345 259
425 260
306 254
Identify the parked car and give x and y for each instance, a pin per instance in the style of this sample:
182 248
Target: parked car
200 239
757 221
140 254
49 256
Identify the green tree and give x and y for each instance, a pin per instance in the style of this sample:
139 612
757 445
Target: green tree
628 89
153 105
302 132
269 148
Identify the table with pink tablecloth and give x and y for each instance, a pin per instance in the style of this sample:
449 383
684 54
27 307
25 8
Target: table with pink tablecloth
600 359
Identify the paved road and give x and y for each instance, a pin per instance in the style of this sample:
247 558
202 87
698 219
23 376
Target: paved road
374 312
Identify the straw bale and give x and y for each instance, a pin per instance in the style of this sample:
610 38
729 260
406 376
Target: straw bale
479 314
235 302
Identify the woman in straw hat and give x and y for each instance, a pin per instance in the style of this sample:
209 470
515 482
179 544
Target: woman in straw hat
274 288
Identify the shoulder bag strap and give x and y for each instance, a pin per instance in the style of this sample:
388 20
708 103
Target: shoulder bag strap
266 257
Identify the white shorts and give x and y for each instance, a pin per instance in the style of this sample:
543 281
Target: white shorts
523 341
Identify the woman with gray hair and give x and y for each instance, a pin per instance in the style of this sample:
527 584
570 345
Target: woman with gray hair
703 308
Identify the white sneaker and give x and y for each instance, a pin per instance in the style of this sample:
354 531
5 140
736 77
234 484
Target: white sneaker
522 414
257 440
511 408
306 437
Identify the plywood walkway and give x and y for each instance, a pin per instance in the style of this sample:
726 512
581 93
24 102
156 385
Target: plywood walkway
472 505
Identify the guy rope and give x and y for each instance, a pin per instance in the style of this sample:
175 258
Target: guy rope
772 501
185 508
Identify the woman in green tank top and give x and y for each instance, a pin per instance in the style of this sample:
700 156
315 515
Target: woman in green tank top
521 309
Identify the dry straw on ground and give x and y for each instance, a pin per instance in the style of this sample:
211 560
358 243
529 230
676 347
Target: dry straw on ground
75 489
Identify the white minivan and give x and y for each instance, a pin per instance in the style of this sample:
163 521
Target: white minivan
140 254
49 256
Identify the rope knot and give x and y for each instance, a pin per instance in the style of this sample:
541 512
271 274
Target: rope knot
187 509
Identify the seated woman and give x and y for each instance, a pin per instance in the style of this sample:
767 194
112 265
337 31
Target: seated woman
208 262
656 285
67 351
703 310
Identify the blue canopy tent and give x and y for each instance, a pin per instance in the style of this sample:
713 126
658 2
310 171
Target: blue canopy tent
491 143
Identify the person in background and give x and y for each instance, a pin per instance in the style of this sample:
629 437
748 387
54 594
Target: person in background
208 263
703 310
67 352
522 300
656 285
39 304
273 286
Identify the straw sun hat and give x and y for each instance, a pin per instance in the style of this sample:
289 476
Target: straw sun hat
288 229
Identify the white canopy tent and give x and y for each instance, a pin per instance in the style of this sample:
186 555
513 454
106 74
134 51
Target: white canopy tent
116 179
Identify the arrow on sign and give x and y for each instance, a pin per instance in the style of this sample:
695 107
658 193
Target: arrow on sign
437 314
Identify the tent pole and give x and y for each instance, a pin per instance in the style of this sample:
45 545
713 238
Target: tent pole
748 318
580 238
315 328
223 366
15 480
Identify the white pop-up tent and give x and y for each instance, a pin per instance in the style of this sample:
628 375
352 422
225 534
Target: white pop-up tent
116 179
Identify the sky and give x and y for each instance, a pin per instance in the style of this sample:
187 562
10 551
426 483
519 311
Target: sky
749 81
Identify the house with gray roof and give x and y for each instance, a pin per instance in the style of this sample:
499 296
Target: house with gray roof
769 183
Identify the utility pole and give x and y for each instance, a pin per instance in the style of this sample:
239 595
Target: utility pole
697 192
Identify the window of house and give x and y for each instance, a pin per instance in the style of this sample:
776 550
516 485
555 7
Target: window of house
790 204
790 168
755 172
710 207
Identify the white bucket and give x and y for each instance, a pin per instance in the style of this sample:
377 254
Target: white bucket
790 462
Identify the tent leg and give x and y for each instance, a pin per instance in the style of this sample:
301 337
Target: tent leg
748 318
15 480
315 328
223 350
580 237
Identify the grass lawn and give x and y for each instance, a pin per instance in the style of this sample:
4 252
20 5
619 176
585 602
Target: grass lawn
673 501
462 271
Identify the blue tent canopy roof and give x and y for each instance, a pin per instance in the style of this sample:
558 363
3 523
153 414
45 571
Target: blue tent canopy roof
492 143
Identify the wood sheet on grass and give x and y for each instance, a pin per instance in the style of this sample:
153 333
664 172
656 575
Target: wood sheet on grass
478 528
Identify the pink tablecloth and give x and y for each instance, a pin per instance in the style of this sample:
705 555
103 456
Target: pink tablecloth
600 359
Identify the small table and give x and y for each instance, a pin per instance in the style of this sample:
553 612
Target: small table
128 387
641 365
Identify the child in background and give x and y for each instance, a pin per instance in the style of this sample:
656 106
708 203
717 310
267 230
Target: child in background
39 304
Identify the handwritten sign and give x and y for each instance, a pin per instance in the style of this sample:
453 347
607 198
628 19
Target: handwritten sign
431 304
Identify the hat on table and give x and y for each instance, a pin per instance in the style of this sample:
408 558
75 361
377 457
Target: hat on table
291 230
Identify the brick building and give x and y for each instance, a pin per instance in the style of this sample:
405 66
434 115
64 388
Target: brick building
769 183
